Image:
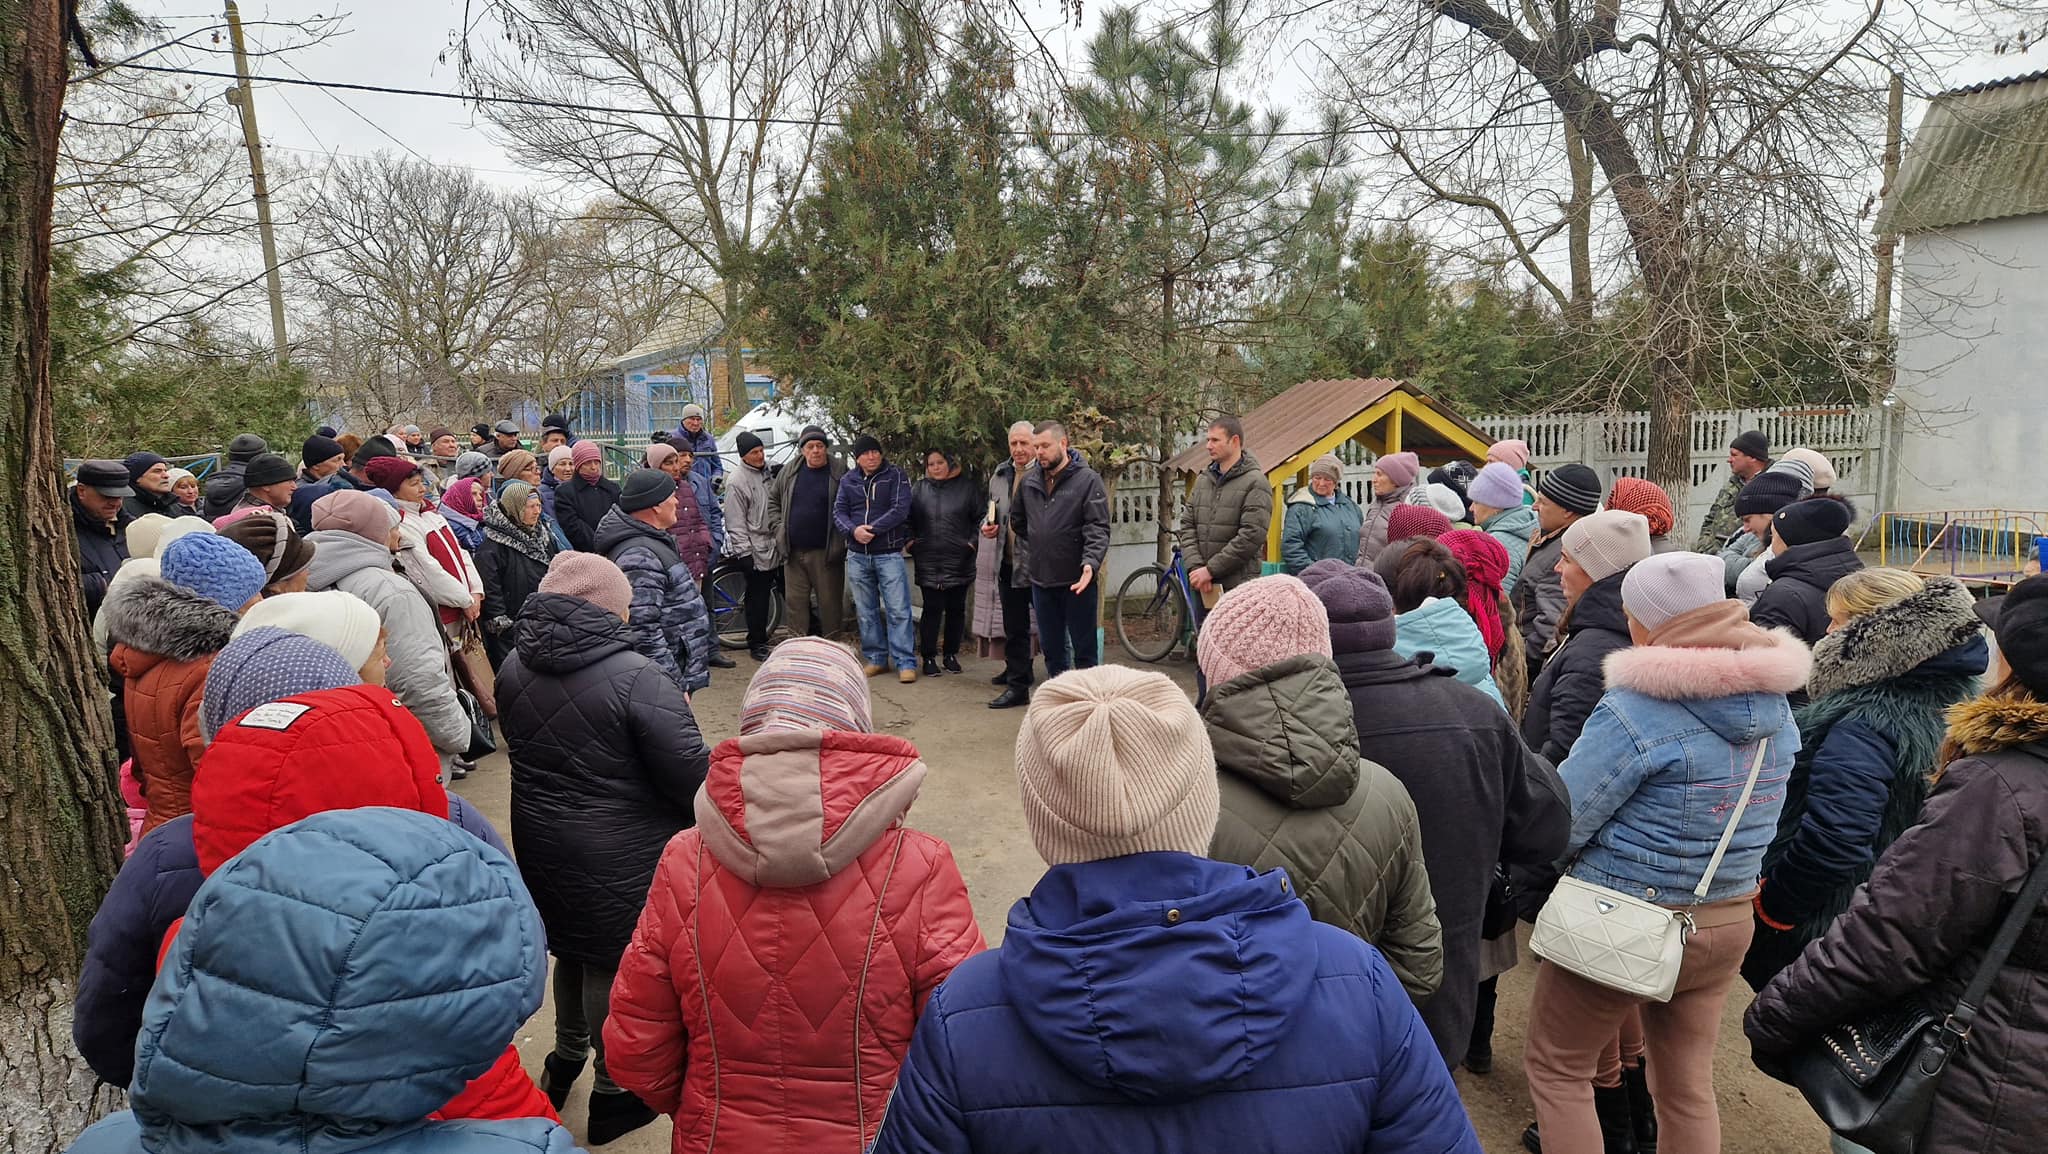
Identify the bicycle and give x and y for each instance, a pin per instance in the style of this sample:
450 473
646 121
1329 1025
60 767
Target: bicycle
1171 613
729 604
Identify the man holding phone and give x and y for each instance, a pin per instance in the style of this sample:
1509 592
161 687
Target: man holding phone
1062 515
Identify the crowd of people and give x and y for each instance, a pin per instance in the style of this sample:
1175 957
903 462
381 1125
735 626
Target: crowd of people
1274 915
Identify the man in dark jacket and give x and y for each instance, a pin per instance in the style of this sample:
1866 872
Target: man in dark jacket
606 761
1148 998
268 481
668 624
504 439
1598 552
1013 581
1808 555
1564 495
1062 513
582 502
693 436
224 488
320 472
872 510
814 550
150 477
1223 526
1482 796
102 526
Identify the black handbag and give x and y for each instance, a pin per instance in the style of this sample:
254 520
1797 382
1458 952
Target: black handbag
1874 1081
483 740
1503 906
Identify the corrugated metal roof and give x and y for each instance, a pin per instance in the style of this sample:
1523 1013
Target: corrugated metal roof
1980 153
1308 412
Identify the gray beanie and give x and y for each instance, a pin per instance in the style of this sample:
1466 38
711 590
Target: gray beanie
1664 586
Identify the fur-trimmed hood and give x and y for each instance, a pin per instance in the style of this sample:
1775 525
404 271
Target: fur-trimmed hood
151 615
1989 724
1672 673
1896 639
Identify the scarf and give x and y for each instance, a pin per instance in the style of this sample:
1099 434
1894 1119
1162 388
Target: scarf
512 535
1486 566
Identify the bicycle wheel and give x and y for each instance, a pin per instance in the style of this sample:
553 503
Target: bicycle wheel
729 608
1150 614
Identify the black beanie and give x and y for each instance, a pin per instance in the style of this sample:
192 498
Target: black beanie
319 448
1573 487
555 421
245 446
1767 493
813 433
270 469
481 429
865 443
375 447
1753 444
328 431
2019 620
644 489
746 443
1817 519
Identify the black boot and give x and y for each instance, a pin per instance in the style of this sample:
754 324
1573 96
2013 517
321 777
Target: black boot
719 660
557 1074
1617 1136
613 1116
1642 1111
1479 1051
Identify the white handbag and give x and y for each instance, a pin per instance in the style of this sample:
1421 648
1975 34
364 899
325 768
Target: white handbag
1622 942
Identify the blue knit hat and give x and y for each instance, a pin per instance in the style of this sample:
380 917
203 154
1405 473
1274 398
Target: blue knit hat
218 569
267 664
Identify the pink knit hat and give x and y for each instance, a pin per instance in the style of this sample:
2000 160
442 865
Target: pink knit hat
591 577
1607 542
583 452
561 453
658 452
1259 623
1416 521
1400 468
808 683
1513 454
354 511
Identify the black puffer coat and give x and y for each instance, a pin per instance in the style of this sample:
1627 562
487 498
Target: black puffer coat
1570 685
945 526
1797 597
606 759
512 563
1919 926
580 505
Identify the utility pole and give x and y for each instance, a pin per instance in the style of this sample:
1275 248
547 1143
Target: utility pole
243 98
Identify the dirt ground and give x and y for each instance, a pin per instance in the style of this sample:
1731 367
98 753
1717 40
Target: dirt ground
970 799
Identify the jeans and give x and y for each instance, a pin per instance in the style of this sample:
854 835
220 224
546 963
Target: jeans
808 571
1066 627
1016 629
881 599
583 996
947 607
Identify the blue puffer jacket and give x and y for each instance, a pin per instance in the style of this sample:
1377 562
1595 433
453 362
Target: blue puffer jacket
881 502
332 985
1164 1002
1441 627
1514 529
154 886
1661 760
1319 530
669 624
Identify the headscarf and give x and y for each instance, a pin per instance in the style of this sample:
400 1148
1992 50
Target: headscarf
501 523
1651 502
1486 566
465 496
515 462
513 499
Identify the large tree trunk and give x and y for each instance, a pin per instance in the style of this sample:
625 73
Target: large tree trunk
1579 228
1668 287
60 825
735 360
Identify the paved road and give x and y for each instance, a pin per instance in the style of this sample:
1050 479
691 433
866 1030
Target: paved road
970 799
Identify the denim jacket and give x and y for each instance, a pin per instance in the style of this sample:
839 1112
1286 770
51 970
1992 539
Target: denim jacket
1663 758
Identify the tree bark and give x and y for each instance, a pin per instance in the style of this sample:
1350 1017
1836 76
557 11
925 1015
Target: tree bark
1579 229
60 822
736 400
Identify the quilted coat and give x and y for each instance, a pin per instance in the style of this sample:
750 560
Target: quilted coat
1482 797
419 675
249 787
1318 530
1444 629
788 947
332 987
605 757
1868 744
669 624
1565 692
102 549
1223 525
1513 528
1539 597
1168 1003
699 531
1295 794
945 529
164 641
879 500
581 506
1918 928
1797 597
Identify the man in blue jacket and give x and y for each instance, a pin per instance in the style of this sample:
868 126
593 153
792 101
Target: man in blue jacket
1146 998
872 510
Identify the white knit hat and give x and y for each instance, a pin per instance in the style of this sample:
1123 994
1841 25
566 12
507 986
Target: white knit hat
144 531
341 621
178 527
1445 500
1607 542
1664 586
1112 761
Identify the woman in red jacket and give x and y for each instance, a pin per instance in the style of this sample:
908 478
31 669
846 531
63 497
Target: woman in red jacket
790 940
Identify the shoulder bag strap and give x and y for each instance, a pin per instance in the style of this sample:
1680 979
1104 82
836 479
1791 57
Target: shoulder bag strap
1756 766
2016 918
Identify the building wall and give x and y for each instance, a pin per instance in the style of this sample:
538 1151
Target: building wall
1973 367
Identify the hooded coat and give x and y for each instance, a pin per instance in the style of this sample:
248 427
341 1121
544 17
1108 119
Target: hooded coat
1868 744
164 639
1565 692
605 757
580 506
293 1018
1296 795
420 676
669 624
1168 1002
1539 597
945 530
1481 796
1441 632
1919 927
1797 597
1317 530
1514 529
788 946
1223 525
